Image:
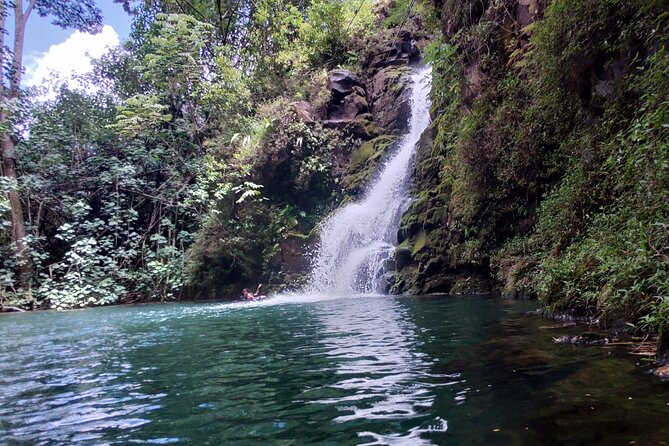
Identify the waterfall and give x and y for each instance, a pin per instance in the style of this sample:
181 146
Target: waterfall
358 241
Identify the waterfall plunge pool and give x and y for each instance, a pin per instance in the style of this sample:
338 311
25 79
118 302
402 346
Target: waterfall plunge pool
309 370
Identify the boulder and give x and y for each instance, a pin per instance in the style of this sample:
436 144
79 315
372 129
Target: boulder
349 107
304 110
342 82
390 97
294 256
401 51
364 129
348 98
413 228
401 234
402 258
439 283
464 283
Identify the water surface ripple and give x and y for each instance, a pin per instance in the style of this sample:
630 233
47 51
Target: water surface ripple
300 370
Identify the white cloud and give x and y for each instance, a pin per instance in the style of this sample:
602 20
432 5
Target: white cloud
73 56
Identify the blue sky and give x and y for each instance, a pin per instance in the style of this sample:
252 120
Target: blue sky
50 48
41 34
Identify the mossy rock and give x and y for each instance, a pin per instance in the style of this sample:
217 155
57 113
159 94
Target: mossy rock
370 152
364 162
419 242
436 284
364 128
471 284
403 258
373 130
405 281
354 183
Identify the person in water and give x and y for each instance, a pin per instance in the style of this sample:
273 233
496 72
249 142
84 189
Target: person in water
248 295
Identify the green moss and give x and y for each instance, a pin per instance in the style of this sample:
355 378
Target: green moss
419 242
370 152
372 129
471 284
364 162
553 170
360 157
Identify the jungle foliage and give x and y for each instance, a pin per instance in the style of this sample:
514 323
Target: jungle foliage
179 163
188 163
549 165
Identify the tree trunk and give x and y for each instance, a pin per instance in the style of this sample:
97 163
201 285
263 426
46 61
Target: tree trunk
18 222
9 151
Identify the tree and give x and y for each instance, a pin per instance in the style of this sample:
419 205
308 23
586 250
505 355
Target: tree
83 15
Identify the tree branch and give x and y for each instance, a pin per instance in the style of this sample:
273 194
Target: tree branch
4 308
29 9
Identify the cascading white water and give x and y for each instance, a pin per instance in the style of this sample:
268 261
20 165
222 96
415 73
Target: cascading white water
358 239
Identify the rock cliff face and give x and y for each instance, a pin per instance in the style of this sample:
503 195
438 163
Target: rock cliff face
371 107
437 252
541 174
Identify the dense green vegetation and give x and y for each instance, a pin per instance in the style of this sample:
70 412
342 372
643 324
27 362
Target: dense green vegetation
549 168
204 147
185 165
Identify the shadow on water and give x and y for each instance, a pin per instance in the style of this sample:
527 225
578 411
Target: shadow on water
526 389
314 370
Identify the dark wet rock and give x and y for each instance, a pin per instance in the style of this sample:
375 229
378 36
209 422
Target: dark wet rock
585 339
294 256
389 265
348 108
433 266
403 258
402 50
391 97
364 162
396 285
413 229
304 111
342 82
401 235
434 284
431 220
348 97
386 282
471 284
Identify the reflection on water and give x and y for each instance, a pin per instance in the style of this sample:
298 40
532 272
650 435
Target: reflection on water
382 374
305 370
69 381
